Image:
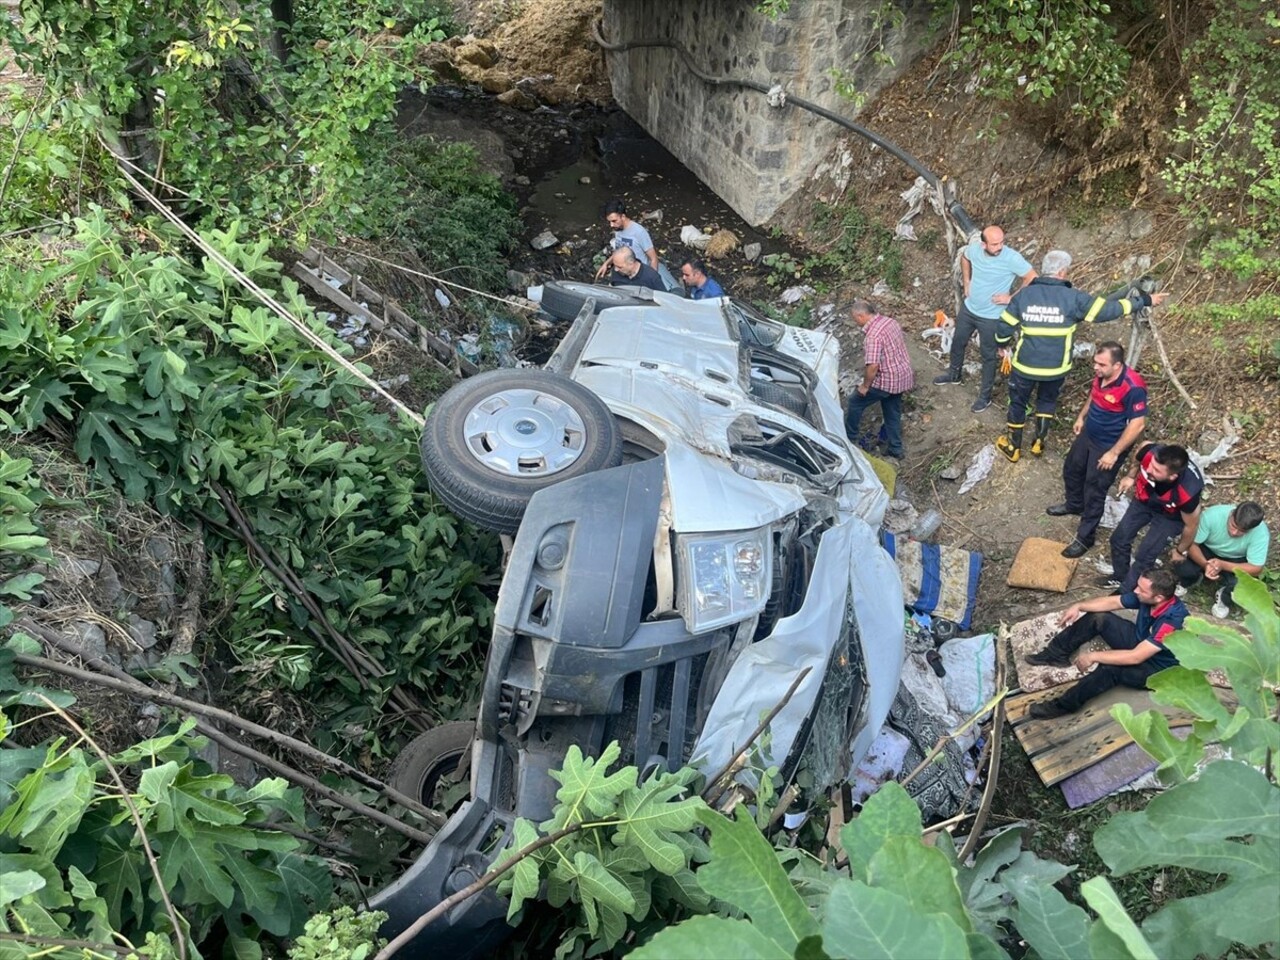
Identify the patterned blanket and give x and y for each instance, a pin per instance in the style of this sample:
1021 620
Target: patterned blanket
941 581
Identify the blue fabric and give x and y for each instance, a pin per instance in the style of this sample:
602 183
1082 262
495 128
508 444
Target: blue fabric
891 408
708 291
938 580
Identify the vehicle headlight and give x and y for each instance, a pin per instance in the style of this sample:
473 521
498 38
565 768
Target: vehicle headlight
723 577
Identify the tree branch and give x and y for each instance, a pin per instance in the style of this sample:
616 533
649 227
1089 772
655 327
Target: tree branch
448 903
137 822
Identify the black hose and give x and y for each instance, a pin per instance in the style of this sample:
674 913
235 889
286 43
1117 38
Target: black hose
953 207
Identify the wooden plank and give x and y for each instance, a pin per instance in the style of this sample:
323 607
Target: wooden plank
1064 746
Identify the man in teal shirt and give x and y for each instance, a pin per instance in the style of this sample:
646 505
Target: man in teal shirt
1230 540
989 270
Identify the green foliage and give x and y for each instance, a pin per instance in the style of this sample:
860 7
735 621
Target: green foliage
249 117
73 860
853 247
1226 823
1040 49
454 216
49 163
340 935
169 378
1252 665
628 864
1227 173
19 536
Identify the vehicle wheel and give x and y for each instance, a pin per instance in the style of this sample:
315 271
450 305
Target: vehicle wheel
563 299
494 440
426 767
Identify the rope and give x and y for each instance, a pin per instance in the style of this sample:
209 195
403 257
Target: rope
954 208
448 283
265 298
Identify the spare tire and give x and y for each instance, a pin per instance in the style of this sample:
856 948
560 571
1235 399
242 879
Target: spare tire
427 768
563 299
494 440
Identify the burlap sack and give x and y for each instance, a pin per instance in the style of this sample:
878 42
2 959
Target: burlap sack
1040 565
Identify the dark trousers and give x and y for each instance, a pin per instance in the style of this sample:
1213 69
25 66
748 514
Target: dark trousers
1020 388
890 406
1190 573
966 324
1163 529
1085 485
1118 634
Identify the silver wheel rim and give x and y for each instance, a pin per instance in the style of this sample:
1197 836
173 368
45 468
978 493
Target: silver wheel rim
524 433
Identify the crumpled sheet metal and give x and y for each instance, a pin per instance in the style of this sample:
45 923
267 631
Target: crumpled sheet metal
849 558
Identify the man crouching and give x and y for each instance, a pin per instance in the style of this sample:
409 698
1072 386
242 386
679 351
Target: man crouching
1137 648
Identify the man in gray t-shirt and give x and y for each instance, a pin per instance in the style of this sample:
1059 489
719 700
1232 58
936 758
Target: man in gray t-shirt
627 233
990 270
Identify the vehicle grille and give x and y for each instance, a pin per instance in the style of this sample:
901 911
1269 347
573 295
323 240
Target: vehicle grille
660 716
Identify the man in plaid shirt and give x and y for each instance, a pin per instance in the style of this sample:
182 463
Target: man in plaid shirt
886 375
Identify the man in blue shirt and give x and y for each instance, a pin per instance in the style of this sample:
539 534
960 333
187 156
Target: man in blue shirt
989 269
1137 648
701 287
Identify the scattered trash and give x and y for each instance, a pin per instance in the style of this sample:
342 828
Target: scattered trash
1082 350
944 328
543 241
927 525
915 197
1231 436
722 243
776 97
652 215
751 251
899 517
392 382
883 761
944 630
796 294
951 473
879 289
442 298
691 236
979 467
534 293
584 180
1112 511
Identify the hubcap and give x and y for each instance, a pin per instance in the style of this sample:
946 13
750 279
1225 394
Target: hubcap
524 433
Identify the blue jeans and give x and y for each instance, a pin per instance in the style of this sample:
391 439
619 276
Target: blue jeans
890 405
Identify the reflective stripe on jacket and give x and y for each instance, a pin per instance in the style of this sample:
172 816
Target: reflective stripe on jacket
1046 312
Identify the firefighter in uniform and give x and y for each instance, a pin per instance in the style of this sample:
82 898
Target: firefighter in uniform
1046 313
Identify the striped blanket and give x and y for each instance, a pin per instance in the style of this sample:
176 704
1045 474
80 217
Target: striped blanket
941 581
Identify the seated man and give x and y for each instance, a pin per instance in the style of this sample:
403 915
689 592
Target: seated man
1229 540
629 271
1137 649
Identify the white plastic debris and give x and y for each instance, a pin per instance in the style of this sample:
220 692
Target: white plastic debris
534 293
796 294
776 97
1204 461
970 680
1082 350
1112 511
883 761
879 288
904 231
915 197
979 467
945 334
442 298
652 215
691 236
899 517
544 241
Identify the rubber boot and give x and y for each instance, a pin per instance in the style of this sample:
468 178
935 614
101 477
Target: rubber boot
1011 446
1042 433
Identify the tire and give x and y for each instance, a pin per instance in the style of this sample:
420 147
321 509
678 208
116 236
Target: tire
563 299
494 440
423 768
